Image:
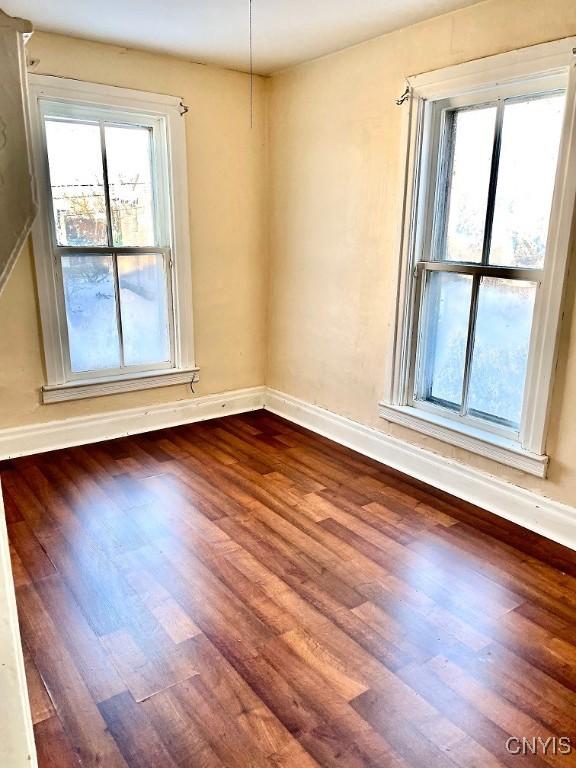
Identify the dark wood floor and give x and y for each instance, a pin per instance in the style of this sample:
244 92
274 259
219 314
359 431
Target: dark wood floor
244 593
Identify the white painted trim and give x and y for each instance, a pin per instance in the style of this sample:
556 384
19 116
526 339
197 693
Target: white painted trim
411 148
108 95
17 748
53 435
544 516
82 389
502 68
493 446
548 309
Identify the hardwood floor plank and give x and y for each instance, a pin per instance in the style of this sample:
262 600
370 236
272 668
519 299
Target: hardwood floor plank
525 687
41 707
291 755
132 731
403 735
225 735
19 573
318 657
239 700
292 709
491 705
31 555
96 669
180 734
30 508
176 622
490 735
53 746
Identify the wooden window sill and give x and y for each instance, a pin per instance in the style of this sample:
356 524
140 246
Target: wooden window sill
78 390
492 446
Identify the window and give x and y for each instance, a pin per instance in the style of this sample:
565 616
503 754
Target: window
484 254
111 242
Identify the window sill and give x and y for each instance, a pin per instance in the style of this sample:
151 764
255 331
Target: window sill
500 449
77 390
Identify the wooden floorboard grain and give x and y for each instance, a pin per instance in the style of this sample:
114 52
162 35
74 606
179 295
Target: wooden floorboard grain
243 593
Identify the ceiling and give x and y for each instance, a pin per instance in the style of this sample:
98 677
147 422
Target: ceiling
285 32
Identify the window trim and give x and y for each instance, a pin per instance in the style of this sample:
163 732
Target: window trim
484 78
108 385
165 113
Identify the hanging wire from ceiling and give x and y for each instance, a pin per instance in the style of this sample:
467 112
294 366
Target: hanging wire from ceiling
251 53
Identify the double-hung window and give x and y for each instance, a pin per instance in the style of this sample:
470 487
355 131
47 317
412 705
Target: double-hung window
488 217
111 242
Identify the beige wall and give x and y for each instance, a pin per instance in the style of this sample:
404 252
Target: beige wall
226 178
335 195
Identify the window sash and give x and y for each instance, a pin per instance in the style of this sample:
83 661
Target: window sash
419 361
439 190
123 369
118 117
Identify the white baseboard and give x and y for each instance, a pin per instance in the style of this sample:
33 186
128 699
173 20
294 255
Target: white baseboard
37 438
549 518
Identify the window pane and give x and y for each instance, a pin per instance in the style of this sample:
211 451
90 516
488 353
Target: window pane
445 336
91 312
501 344
469 142
128 156
77 181
143 303
530 141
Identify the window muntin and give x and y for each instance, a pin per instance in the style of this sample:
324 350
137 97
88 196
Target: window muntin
481 265
111 238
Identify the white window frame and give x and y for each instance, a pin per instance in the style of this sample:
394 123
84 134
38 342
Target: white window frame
552 64
162 113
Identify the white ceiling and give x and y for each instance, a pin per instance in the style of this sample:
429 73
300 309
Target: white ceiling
285 32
